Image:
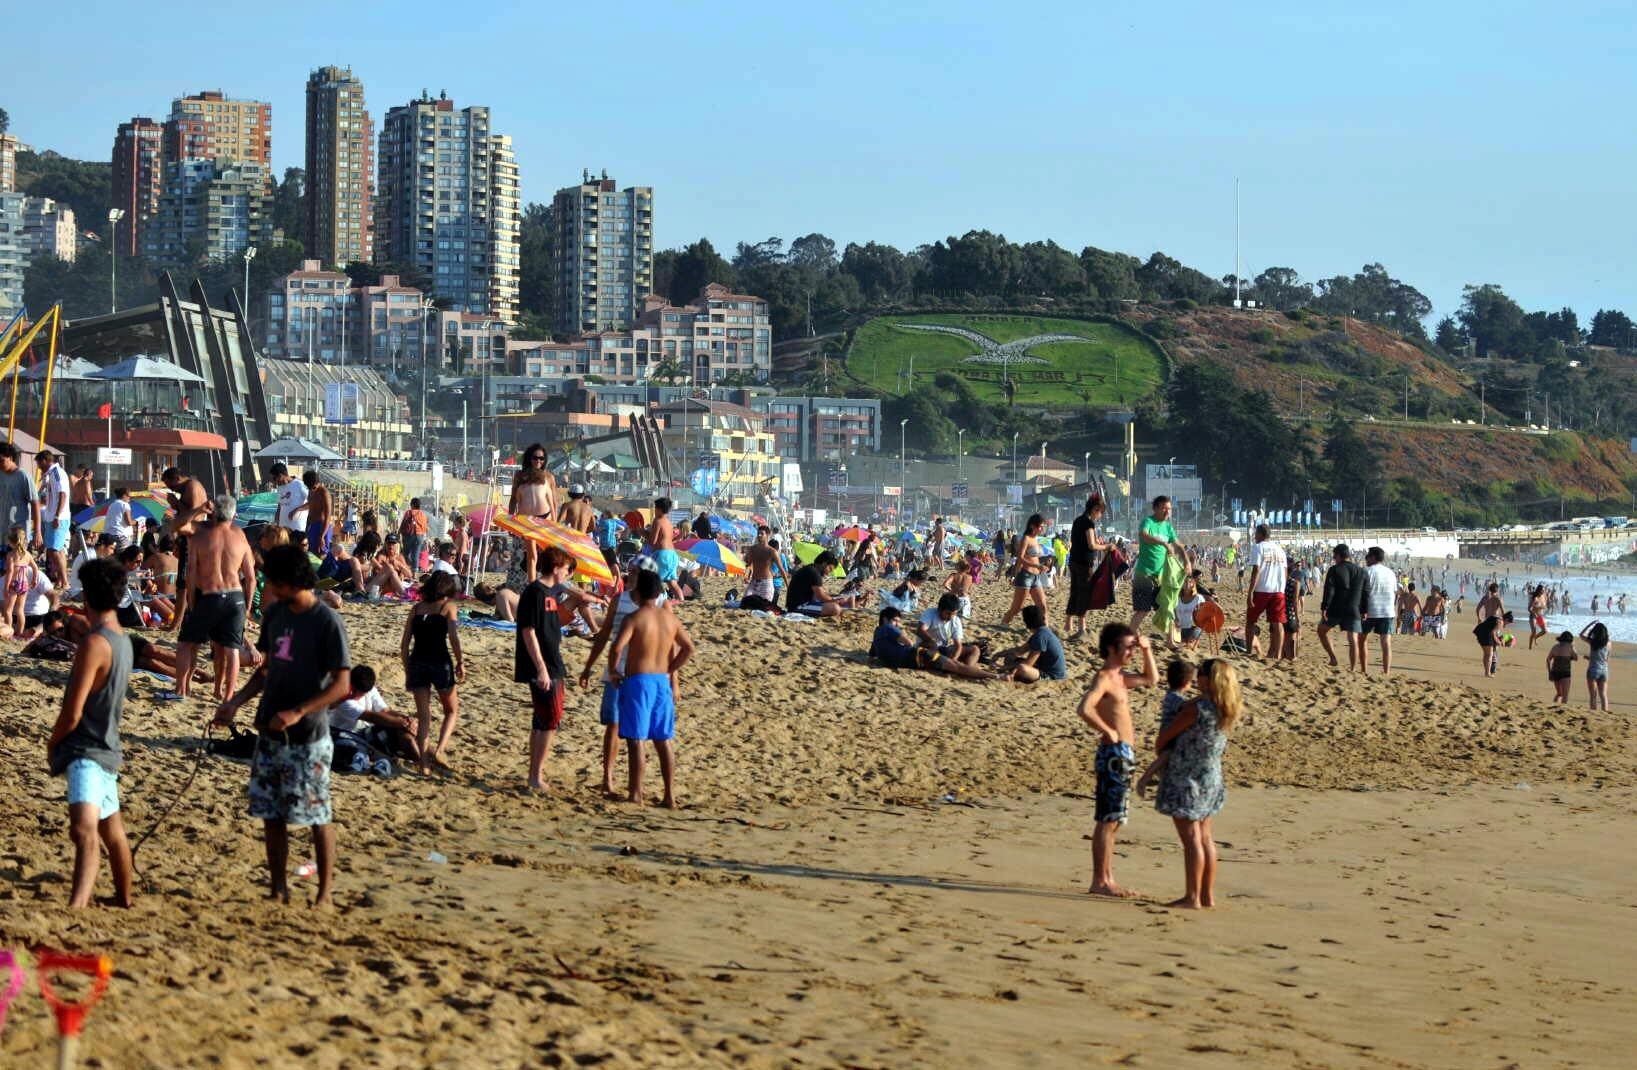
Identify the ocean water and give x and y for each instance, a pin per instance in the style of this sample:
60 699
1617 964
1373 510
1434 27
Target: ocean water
1581 587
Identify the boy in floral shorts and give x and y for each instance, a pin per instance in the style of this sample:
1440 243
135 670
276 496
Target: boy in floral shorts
306 670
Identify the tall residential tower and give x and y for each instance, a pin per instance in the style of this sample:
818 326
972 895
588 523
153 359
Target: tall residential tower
447 204
209 126
138 180
602 254
340 174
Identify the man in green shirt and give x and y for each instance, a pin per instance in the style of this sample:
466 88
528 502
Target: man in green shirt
1158 539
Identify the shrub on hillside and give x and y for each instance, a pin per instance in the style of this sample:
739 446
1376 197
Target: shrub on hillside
1262 336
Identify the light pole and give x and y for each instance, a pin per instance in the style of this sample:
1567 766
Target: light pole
960 453
902 425
1088 468
114 216
249 255
426 311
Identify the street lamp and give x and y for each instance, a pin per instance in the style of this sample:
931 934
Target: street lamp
960 453
1088 468
426 310
902 424
114 216
249 255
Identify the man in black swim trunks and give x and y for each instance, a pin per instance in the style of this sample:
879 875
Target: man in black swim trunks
219 587
1341 607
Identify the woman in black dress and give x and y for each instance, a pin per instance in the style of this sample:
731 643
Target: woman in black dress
1084 545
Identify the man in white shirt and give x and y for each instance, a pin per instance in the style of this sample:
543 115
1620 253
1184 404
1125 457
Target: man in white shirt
1268 565
117 520
56 517
940 628
1380 600
445 559
292 512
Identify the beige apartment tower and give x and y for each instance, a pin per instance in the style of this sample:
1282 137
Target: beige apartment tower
602 254
339 226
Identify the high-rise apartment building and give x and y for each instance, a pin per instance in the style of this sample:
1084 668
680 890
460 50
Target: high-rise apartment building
447 204
138 179
602 254
49 229
210 210
209 126
8 162
340 171
14 253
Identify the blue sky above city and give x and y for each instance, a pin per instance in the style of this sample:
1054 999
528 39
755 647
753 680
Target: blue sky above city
1452 142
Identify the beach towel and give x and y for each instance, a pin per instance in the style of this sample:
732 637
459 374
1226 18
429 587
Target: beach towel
1109 569
1165 603
491 623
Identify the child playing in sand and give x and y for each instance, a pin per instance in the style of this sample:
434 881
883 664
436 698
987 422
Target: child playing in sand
959 584
1179 678
651 649
1041 658
432 658
364 720
1560 661
85 743
905 596
1596 635
21 572
1191 790
1106 708
1189 600
539 659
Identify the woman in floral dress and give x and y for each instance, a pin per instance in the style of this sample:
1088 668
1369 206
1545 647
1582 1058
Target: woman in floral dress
1191 789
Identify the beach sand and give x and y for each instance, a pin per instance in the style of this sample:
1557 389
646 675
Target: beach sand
872 869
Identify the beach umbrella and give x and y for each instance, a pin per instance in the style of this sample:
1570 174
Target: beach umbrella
146 369
852 534
806 552
588 559
257 508
295 448
712 554
144 506
479 517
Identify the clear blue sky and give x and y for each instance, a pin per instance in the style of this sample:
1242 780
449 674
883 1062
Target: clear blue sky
1454 142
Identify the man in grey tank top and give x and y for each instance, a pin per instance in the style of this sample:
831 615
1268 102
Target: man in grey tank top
84 745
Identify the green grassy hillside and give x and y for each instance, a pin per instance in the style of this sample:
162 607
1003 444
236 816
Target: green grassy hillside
1102 365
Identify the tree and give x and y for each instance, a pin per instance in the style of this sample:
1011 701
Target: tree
978 263
83 185
1450 337
1494 321
1166 279
814 252
882 271
534 290
759 254
1111 276
5 121
1354 468
1611 327
1281 288
1049 270
290 204
696 267
1376 296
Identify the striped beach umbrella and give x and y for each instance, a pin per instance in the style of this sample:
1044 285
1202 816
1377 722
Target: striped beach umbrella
588 559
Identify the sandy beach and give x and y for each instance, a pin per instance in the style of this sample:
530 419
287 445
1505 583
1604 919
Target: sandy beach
873 869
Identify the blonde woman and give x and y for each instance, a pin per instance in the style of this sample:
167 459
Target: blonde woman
1191 789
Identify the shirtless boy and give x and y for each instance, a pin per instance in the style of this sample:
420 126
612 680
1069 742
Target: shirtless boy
651 649
763 562
1107 709
662 544
221 582
578 514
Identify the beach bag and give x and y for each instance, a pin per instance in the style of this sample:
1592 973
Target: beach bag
50 648
239 744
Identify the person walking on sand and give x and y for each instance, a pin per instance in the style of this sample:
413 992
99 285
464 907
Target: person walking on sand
1560 661
85 743
1191 790
1084 546
1596 635
534 494
1159 541
650 651
1268 572
608 709
1380 597
1029 570
1106 708
220 585
662 545
433 661
306 669
1537 614
764 565
538 658
320 518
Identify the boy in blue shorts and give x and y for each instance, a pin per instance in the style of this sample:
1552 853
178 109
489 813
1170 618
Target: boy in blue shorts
609 710
650 651
85 744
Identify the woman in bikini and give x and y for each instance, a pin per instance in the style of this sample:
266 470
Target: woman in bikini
534 494
1029 575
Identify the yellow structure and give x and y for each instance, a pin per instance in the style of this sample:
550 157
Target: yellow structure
15 341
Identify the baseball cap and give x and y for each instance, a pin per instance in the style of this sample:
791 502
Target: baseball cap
576 488
643 563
